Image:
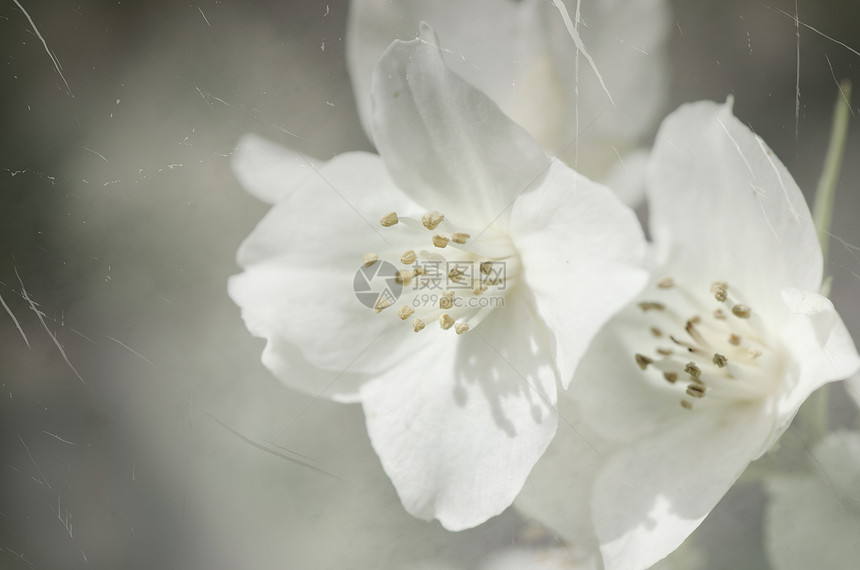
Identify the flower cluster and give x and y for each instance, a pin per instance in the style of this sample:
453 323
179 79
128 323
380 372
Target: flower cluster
509 333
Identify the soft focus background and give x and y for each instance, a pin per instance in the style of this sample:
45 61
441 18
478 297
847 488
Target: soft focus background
138 428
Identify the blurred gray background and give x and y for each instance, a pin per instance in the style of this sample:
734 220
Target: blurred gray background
138 428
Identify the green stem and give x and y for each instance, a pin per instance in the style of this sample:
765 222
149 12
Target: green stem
814 413
823 210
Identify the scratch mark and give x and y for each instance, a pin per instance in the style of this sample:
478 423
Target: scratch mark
797 84
54 59
767 154
98 154
58 437
133 351
580 46
262 447
36 465
205 19
839 87
17 324
816 30
41 318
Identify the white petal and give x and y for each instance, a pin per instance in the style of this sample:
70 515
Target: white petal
581 251
724 207
816 338
460 423
444 142
300 263
466 29
814 521
268 171
653 494
626 40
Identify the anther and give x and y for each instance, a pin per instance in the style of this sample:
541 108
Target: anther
693 370
408 257
460 328
720 360
651 306
455 275
694 333
696 390
369 259
479 288
445 321
459 237
389 220
420 270
656 332
720 290
687 405
403 277
486 267
405 312
719 314
380 304
666 283
643 361
446 301
418 325
670 377
440 241
734 340
741 311
432 220
665 351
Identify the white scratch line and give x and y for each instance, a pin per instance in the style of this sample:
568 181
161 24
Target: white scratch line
797 84
17 324
839 87
580 46
205 19
98 154
133 351
54 59
36 465
58 437
767 154
816 30
738 148
39 314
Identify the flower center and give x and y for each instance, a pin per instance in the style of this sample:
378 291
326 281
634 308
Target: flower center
452 276
720 350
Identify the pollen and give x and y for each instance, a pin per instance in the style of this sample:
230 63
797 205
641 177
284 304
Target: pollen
403 277
693 370
486 267
741 311
432 220
720 290
418 325
369 259
408 257
446 301
643 361
405 312
460 237
381 304
456 275
720 360
440 241
445 321
389 219
666 283
651 306
460 328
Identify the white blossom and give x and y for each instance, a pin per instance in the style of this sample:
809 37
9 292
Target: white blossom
459 395
705 370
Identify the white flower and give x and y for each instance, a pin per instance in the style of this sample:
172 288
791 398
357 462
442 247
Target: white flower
813 520
522 56
459 396
707 368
